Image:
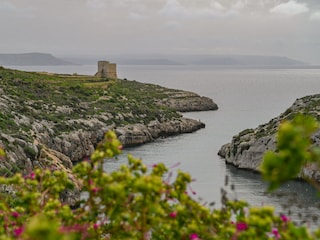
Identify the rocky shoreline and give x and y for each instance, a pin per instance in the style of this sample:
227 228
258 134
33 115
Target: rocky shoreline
184 101
53 121
77 145
133 135
62 152
247 148
63 117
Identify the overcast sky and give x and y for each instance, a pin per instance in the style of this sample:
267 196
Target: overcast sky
65 27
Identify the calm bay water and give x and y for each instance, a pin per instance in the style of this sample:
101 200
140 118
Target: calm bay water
246 99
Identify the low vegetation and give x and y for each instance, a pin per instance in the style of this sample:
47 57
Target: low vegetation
65 116
59 98
135 201
140 202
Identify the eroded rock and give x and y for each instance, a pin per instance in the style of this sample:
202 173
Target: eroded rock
246 150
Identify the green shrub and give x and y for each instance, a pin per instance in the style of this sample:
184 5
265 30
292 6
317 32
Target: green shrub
134 202
294 150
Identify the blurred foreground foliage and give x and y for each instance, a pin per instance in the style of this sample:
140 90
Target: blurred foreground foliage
140 202
294 151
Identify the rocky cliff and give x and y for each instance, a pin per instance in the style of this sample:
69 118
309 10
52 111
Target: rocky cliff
247 148
184 101
50 120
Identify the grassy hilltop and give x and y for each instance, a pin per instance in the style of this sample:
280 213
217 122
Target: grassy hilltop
61 98
67 115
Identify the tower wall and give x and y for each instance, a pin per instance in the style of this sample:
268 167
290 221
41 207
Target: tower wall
112 71
107 70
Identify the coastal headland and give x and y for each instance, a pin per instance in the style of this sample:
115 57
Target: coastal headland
246 149
54 120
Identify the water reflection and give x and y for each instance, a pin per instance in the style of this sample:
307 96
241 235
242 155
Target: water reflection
295 198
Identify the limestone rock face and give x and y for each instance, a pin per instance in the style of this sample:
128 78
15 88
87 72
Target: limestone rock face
51 121
246 152
80 143
184 101
23 151
247 148
132 135
77 144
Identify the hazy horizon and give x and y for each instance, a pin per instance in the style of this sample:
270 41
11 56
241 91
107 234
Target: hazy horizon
289 28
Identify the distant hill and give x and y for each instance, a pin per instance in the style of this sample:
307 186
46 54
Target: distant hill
31 59
194 59
155 61
248 60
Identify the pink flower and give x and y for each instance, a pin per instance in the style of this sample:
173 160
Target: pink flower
194 236
95 189
31 176
173 214
15 214
241 226
96 226
284 218
276 233
18 231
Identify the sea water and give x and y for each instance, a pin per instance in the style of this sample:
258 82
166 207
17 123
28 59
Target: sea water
246 98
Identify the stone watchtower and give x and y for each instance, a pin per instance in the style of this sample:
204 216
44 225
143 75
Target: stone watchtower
107 70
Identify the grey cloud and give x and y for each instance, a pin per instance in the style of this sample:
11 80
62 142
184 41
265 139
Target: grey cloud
96 4
137 16
290 8
160 26
315 16
176 8
7 7
172 25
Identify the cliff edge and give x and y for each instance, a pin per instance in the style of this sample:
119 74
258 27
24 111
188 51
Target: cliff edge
63 117
247 148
